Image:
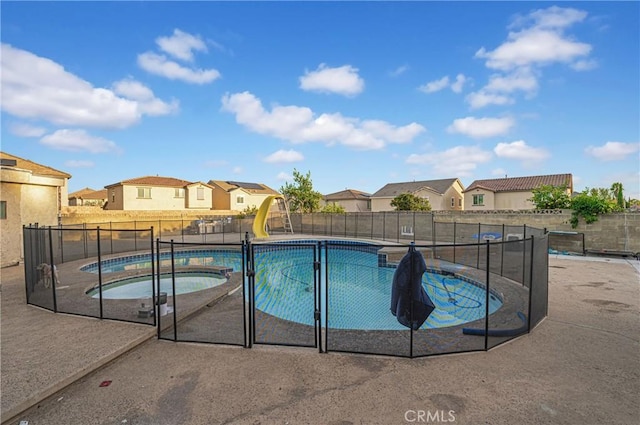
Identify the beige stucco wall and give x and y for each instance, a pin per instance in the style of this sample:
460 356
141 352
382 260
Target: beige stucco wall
349 205
30 199
115 199
250 200
192 201
514 201
221 200
489 200
381 204
437 201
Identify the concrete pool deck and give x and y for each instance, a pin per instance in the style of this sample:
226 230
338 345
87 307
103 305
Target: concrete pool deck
579 366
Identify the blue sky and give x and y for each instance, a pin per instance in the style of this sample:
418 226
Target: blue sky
360 94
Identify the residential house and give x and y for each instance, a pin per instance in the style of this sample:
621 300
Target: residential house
158 193
350 199
88 197
29 193
443 194
510 193
238 196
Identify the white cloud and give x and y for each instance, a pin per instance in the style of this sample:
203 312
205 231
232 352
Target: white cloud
481 98
284 176
72 163
436 85
181 45
519 150
481 127
161 65
534 47
300 125
36 87
584 65
284 156
537 40
457 86
458 161
520 80
399 70
78 141
613 151
498 172
26 130
148 103
343 80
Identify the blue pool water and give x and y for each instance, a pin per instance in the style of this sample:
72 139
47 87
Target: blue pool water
358 292
358 289
141 287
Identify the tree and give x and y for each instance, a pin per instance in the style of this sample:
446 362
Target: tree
333 208
548 197
590 204
410 202
300 194
618 194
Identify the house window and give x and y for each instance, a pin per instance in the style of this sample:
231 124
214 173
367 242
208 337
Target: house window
240 200
200 193
144 193
113 196
3 210
179 192
460 202
478 199
453 202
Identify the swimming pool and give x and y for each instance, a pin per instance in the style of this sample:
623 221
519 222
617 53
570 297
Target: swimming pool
141 287
355 283
358 291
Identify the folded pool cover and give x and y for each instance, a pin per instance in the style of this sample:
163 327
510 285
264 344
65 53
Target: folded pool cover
409 301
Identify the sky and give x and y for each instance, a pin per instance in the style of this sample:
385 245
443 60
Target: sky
358 94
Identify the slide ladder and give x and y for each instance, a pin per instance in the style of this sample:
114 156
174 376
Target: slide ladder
286 218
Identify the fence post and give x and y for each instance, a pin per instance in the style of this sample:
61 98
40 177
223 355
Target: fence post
99 271
156 296
530 288
384 226
486 307
111 235
153 278
524 253
60 238
504 238
135 236
478 256
454 242
53 272
173 289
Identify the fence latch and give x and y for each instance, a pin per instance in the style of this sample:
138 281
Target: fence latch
316 265
251 273
316 315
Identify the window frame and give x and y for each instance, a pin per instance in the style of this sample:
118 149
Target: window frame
478 200
145 191
200 193
179 192
3 210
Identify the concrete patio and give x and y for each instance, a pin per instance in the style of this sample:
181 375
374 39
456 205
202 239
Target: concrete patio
579 366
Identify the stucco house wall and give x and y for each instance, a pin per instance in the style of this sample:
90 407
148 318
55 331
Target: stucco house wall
488 204
29 198
206 200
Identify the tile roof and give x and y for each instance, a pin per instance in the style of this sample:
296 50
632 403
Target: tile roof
153 181
347 194
514 184
34 167
259 188
395 189
88 193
